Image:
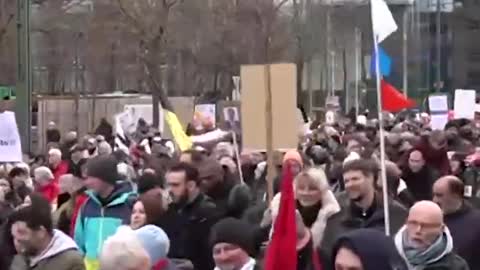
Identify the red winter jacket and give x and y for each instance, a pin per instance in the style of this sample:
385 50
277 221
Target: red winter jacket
79 201
60 170
50 192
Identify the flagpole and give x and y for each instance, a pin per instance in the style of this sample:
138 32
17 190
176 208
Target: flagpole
357 49
382 141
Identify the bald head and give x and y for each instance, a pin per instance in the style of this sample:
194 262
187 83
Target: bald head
448 193
424 223
427 209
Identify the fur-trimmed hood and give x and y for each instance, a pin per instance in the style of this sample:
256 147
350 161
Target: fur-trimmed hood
329 207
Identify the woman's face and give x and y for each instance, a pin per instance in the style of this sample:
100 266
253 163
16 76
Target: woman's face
138 218
5 186
308 193
454 165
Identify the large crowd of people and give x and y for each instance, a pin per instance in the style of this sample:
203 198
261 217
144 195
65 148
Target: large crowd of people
87 205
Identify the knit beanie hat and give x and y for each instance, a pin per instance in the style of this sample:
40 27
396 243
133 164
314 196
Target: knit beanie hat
103 168
233 231
155 242
293 155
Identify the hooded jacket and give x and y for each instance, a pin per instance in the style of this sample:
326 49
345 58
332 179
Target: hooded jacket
379 254
61 254
97 221
446 260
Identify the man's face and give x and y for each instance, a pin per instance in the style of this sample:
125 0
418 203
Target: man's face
96 184
26 240
357 184
443 197
177 186
347 260
211 178
422 229
228 256
416 161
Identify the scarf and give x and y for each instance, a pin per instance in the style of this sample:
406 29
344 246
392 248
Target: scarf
415 257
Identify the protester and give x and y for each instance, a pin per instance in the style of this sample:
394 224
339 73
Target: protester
314 200
104 149
9 198
58 166
434 150
124 251
46 185
425 242
156 243
22 183
53 134
361 206
149 209
77 159
109 205
194 216
232 242
41 247
418 176
366 249
461 218
66 214
397 188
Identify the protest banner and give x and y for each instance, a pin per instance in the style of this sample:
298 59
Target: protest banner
205 113
10 144
145 112
464 104
438 106
285 120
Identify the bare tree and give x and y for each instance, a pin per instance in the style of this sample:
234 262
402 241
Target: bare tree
7 41
149 21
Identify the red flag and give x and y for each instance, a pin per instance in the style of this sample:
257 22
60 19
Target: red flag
393 100
282 252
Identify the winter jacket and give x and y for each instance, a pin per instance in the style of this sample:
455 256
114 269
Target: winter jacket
349 218
379 254
189 229
61 254
50 192
447 260
66 215
420 183
60 170
465 230
97 221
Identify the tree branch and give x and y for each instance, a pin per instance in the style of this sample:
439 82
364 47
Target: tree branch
132 19
279 5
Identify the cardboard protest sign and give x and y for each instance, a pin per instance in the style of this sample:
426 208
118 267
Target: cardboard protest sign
284 107
10 144
464 104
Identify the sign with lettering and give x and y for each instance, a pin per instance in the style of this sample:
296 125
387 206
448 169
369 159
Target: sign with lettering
10 145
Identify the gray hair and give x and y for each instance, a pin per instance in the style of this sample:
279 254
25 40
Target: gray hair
104 149
123 251
43 173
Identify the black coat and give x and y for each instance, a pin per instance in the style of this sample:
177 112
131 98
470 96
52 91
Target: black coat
189 230
420 183
464 227
348 219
